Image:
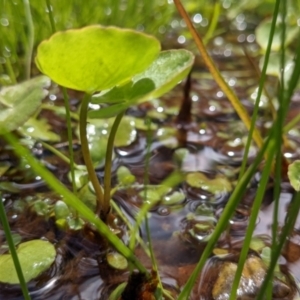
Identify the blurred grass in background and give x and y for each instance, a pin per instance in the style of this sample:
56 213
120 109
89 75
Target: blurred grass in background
149 16
157 17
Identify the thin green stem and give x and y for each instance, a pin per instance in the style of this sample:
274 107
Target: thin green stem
86 154
291 217
58 154
223 221
146 184
253 217
260 88
30 34
13 250
10 70
70 138
213 23
51 18
73 201
239 108
108 164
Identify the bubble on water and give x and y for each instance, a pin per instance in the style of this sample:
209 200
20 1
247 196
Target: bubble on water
181 39
197 18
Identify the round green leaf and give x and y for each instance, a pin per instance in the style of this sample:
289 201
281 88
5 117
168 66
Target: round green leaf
19 102
96 58
35 257
117 261
214 186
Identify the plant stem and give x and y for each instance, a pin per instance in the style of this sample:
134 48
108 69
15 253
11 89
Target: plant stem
13 251
58 153
86 154
10 70
108 164
70 138
213 23
260 89
291 217
252 220
29 49
217 76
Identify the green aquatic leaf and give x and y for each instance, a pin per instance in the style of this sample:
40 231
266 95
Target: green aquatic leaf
117 261
125 177
294 174
61 210
214 186
96 58
35 257
98 131
263 31
174 198
39 129
19 102
164 73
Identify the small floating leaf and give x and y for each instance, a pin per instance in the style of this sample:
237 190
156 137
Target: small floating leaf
39 129
124 176
61 210
96 58
217 185
263 30
117 261
174 198
35 257
19 102
294 174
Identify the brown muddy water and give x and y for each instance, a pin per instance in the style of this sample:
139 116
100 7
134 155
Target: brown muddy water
207 141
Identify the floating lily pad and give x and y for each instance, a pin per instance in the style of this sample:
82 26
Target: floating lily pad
141 125
35 257
167 136
117 261
96 58
165 72
125 177
263 31
19 102
214 186
294 175
39 129
174 198
61 210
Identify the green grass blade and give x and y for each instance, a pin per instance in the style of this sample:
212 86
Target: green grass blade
223 221
260 88
12 250
253 217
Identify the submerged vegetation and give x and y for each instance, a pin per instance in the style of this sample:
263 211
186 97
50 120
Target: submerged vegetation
114 185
